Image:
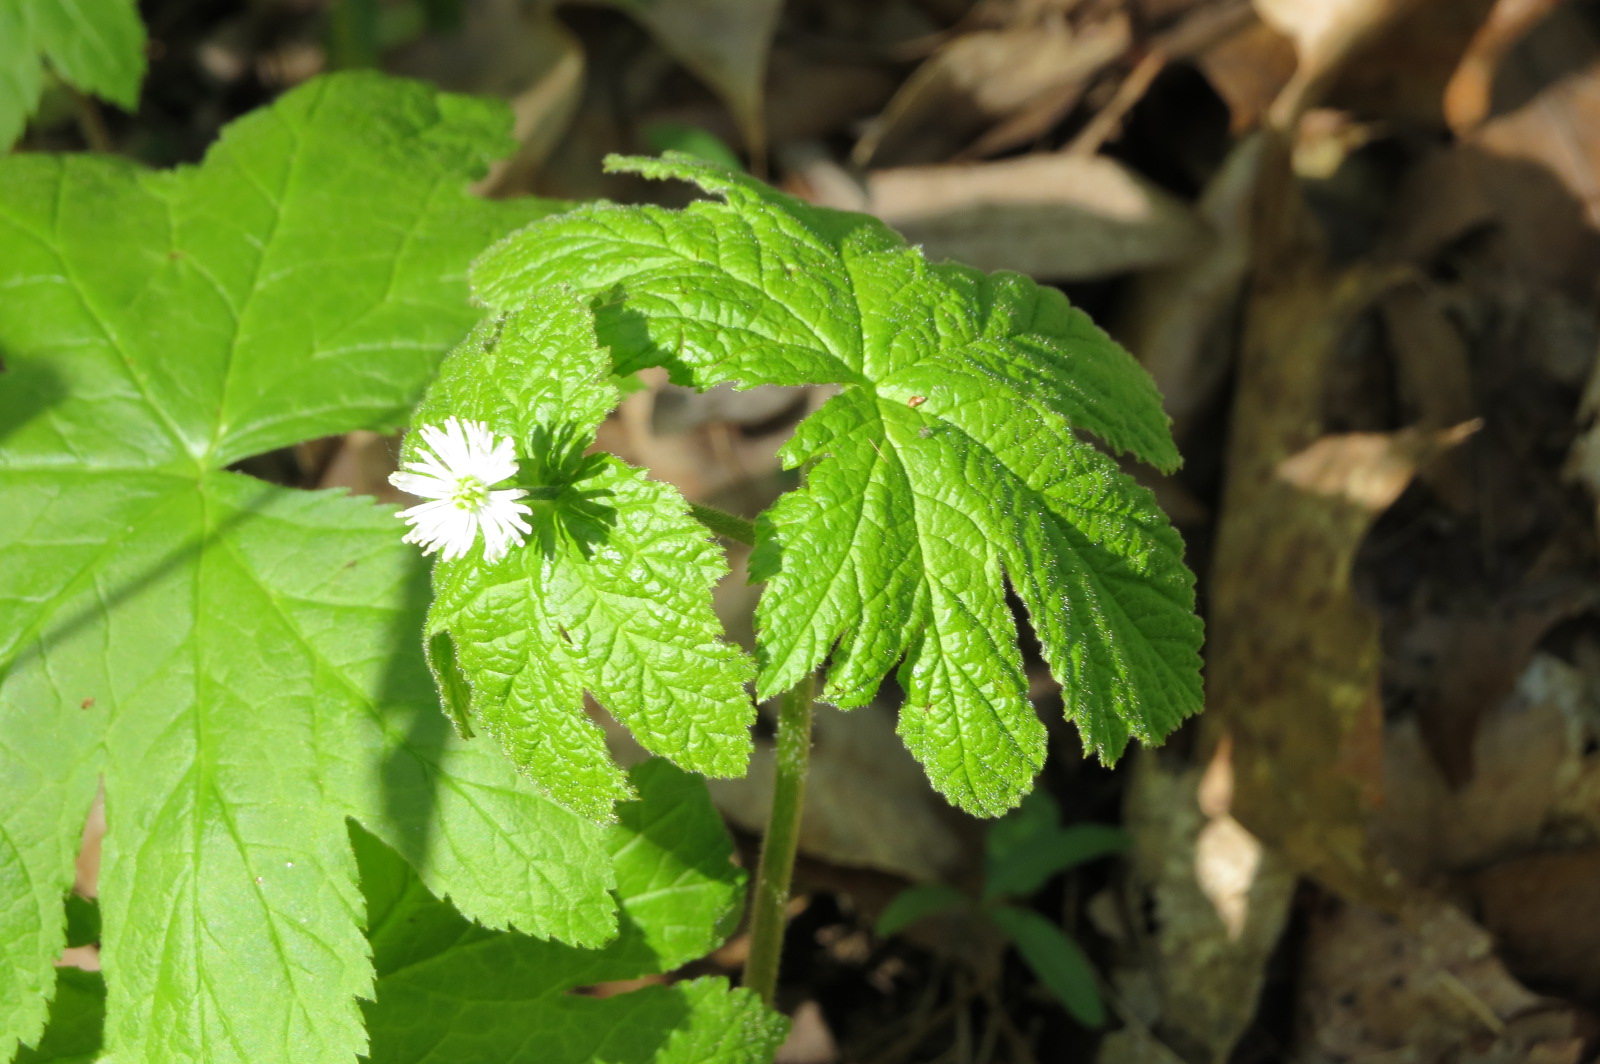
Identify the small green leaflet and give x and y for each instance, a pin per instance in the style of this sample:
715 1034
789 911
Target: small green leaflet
1028 846
450 991
1057 960
96 47
949 466
611 593
237 661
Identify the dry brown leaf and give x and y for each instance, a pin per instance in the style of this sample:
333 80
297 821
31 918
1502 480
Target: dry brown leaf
508 50
1522 222
361 463
1156 12
1107 123
1557 130
724 43
1545 911
705 445
1249 69
1319 28
983 78
678 409
1219 901
1324 30
1055 216
1173 317
1469 94
1203 28
1435 379
541 112
1535 781
1583 462
1200 29
1326 33
1453 667
809 98
1293 654
1425 989
810 1040
1400 70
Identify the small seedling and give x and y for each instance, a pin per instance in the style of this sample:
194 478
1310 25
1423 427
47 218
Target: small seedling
1026 849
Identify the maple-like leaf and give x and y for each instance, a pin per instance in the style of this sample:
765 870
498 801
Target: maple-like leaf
235 660
949 466
97 48
449 990
611 593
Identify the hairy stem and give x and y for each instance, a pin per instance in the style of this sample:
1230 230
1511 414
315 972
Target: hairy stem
782 840
724 524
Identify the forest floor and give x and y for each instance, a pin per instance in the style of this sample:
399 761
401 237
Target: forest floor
1357 243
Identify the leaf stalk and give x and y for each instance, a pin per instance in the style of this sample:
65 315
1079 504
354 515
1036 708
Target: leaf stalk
782 840
722 523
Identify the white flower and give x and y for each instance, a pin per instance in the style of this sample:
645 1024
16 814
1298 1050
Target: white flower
461 462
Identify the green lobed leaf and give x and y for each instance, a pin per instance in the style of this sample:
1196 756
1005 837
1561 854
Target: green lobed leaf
949 466
610 594
919 903
1056 960
1028 846
450 991
96 47
237 660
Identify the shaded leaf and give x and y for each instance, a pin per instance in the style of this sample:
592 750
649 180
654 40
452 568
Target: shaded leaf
449 990
1056 960
77 1021
235 658
1028 846
83 921
919 903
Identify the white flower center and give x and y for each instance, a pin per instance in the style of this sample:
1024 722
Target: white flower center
470 494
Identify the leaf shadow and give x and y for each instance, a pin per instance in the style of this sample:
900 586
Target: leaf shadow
546 1003
564 507
415 726
107 602
626 332
28 390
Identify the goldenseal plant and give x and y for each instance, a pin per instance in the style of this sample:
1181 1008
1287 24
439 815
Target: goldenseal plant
951 466
302 862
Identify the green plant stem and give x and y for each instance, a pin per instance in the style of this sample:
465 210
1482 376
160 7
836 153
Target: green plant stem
91 123
722 523
782 840
353 35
